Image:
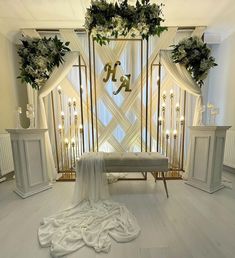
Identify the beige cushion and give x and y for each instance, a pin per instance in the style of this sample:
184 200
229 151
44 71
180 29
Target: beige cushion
135 162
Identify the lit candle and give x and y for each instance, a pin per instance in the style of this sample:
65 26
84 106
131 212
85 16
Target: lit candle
167 139
163 106
66 141
171 93
167 134
19 110
182 119
74 102
81 138
59 89
73 141
175 133
177 107
69 101
160 119
60 127
62 114
164 95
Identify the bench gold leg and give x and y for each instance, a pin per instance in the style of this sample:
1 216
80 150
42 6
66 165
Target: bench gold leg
165 185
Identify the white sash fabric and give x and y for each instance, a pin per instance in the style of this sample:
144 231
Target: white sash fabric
94 220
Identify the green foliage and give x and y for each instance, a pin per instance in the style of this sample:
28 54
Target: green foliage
195 56
38 57
105 20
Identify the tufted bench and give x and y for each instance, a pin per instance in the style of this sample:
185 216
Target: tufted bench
135 162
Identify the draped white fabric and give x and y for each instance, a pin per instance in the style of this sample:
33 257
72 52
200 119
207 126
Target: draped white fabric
58 74
91 183
184 81
94 220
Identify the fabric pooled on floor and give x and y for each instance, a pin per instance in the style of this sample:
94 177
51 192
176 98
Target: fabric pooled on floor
93 220
91 224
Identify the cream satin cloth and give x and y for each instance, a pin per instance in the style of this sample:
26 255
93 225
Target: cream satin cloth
94 220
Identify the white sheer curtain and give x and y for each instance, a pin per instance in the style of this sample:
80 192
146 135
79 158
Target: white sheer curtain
57 76
184 81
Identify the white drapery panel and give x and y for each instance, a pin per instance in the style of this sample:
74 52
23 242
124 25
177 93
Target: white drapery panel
56 77
184 81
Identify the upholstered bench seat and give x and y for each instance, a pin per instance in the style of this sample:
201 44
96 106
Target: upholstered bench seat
135 162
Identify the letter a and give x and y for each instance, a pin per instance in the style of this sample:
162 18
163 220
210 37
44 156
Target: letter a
125 84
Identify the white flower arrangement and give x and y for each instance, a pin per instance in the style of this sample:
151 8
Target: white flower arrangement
38 58
106 20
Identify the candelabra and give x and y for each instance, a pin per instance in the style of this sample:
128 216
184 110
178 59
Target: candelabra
171 141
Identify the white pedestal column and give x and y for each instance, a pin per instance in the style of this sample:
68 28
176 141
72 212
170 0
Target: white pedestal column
28 146
206 157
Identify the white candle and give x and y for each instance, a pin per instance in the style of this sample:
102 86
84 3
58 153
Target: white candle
182 118
19 110
164 95
175 132
59 89
167 133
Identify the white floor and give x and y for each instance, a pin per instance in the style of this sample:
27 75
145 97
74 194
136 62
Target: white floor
190 224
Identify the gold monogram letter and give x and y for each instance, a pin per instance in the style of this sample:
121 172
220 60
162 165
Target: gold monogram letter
125 80
109 70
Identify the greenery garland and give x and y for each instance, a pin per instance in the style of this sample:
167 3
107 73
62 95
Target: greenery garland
38 57
104 20
195 56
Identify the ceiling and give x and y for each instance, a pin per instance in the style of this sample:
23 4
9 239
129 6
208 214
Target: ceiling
16 14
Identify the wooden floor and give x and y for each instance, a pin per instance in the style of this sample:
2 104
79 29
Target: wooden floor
190 224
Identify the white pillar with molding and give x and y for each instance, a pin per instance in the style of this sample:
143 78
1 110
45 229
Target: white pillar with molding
28 146
206 157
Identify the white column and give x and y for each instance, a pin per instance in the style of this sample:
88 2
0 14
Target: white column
206 157
28 146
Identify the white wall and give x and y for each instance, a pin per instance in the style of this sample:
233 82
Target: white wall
221 90
12 93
